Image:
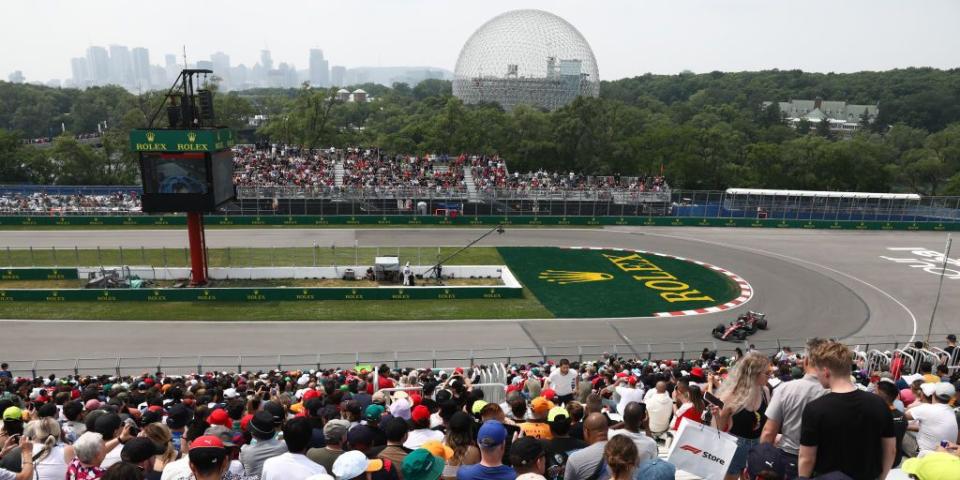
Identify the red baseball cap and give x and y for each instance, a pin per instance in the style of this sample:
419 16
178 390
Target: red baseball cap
415 399
549 394
420 413
207 441
220 417
310 394
458 370
245 421
632 380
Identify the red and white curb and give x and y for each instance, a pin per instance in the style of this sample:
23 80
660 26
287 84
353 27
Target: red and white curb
746 291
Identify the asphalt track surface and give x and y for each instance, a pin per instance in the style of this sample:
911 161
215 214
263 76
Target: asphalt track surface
809 282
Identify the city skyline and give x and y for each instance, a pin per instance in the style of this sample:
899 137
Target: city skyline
629 38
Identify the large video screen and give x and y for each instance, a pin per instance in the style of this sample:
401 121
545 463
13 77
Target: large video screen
181 173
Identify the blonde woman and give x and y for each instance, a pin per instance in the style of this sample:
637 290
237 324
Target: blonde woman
745 396
50 457
159 434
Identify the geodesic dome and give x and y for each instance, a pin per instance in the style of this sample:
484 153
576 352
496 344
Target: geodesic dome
526 57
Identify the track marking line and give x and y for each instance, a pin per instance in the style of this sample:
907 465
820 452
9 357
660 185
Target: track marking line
913 317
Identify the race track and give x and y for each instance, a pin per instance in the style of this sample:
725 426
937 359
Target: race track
809 282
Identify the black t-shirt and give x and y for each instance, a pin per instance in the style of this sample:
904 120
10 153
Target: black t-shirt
846 428
899 428
557 451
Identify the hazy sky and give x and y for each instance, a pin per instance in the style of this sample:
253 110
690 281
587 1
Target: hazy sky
629 37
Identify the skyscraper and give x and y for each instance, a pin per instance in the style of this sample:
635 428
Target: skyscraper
170 65
98 65
121 72
265 60
80 72
221 68
337 73
319 69
141 68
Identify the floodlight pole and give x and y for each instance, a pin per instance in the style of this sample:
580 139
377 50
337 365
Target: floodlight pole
943 270
198 249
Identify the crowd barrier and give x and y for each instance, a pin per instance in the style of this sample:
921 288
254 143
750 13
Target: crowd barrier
412 220
886 345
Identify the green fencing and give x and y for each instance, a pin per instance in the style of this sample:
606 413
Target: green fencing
13 274
255 294
407 220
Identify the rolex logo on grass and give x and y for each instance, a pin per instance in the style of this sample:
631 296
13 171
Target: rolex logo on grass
564 277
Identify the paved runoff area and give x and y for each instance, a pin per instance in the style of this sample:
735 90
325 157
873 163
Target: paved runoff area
825 283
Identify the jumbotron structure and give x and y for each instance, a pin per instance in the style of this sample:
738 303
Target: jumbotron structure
526 57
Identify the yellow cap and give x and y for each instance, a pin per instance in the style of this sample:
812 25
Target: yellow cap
933 466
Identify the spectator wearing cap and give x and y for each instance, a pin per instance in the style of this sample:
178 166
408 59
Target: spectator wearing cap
180 469
371 419
528 459
461 444
420 464
563 381
231 441
491 439
140 451
537 427
395 430
265 445
656 469
421 432
934 466
208 458
355 465
937 421
360 438
335 435
785 412
559 447
634 418
628 390
588 462
294 464
111 427
178 416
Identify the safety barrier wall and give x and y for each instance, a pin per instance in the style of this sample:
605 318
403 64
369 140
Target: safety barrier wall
407 220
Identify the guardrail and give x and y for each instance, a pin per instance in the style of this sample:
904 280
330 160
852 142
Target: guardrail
867 347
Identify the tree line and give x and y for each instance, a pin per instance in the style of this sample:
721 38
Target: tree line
703 131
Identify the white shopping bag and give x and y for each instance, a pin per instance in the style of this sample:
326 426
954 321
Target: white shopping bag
702 450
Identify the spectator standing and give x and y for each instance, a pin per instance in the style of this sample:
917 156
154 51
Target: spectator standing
5 370
263 446
335 434
564 380
846 430
294 464
634 416
588 462
887 390
528 458
937 420
491 439
421 433
785 412
395 430
745 397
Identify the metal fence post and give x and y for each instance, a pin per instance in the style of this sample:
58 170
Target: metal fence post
471 357
434 355
76 254
229 258
279 363
199 364
318 362
9 257
143 255
580 353
118 365
239 363
509 356
33 369
76 366
32 262
121 254
54 251
314 251
396 360
99 258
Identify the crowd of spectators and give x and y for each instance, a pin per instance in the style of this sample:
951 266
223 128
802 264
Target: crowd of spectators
283 167
491 174
48 140
376 171
819 413
57 204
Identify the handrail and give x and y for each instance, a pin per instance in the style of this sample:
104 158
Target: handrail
874 349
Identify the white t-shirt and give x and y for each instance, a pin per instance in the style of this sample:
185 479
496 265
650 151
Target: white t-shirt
628 395
937 422
563 384
290 466
112 457
416 438
660 409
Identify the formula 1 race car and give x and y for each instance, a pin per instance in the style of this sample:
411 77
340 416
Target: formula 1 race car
744 326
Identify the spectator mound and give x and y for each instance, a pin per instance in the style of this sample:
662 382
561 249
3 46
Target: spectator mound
599 282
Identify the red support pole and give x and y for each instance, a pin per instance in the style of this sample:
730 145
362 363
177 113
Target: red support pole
198 249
